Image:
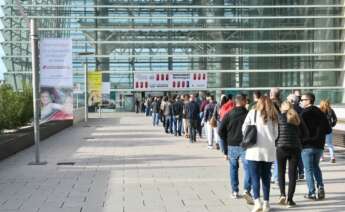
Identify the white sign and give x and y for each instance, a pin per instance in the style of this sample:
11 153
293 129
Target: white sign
170 81
56 62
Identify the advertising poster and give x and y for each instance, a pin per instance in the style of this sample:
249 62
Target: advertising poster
169 81
198 80
95 87
151 81
179 81
56 79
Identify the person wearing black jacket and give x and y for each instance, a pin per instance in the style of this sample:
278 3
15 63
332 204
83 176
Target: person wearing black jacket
230 131
325 107
288 146
193 111
177 113
313 145
155 111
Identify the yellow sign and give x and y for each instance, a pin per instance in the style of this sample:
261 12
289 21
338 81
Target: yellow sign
95 87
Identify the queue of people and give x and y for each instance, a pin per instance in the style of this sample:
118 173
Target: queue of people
292 132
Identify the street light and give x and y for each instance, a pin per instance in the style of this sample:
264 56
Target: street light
86 83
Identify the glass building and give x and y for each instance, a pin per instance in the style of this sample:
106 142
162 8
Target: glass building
241 44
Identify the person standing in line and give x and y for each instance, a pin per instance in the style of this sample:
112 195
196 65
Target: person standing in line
312 146
163 107
137 105
211 131
325 107
186 124
216 115
290 132
193 111
155 112
227 107
295 101
275 97
230 131
177 110
261 155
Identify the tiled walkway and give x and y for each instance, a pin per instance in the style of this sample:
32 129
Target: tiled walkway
123 164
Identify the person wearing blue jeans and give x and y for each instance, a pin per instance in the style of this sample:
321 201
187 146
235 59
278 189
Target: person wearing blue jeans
260 170
235 153
262 153
230 130
155 119
312 146
311 159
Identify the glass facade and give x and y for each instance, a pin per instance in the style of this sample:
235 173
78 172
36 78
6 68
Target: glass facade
241 44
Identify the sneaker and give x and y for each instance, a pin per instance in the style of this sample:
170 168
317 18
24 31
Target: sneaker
321 194
266 207
235 195
282 200
210 147
310 196
257 206
333 160
248 197
217 147
322 159
290 204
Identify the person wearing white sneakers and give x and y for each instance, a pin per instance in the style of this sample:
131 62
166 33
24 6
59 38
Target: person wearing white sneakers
261 155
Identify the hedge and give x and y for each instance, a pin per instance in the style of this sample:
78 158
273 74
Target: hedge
16 108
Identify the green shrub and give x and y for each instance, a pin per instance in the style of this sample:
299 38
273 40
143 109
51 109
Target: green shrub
16 108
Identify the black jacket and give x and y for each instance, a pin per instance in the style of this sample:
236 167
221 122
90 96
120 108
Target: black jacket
318 127
208 112
193 110
155 106
177 109
331 117
230 129
289 135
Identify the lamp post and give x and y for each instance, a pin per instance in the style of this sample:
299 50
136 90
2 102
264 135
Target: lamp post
35 86
86 84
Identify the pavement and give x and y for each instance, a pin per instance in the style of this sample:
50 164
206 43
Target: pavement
124 164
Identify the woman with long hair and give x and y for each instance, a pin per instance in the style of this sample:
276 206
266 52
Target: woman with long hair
261 155
325 107
290 132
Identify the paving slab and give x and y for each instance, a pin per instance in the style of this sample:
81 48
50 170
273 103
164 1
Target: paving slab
124 164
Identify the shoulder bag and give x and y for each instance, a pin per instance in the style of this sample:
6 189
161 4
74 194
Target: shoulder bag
250 135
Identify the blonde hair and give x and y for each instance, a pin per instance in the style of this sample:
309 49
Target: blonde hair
325 106
267 109
291 115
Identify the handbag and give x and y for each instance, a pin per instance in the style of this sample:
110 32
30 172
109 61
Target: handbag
213 122
250 135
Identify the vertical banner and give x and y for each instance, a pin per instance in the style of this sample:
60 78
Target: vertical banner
56 79
95 87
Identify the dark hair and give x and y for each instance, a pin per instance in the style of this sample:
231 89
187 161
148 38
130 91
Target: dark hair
257 94
223 100
229 96
310 96
212 97
240 97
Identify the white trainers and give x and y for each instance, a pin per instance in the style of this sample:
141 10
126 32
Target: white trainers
235 195
257 206
282 200
266 207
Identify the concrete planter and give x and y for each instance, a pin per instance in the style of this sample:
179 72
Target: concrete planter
22 139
